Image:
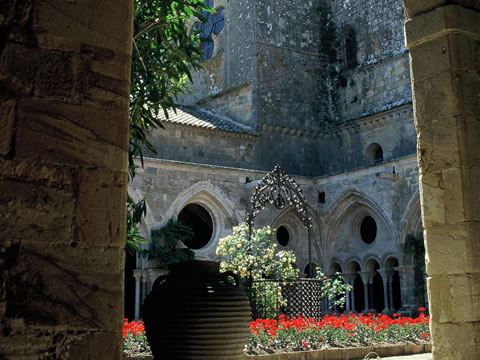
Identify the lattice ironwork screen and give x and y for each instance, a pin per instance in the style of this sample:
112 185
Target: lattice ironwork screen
271 298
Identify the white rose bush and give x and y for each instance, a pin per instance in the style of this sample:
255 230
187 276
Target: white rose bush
258 259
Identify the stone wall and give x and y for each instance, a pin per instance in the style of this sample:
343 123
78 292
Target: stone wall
184 143
64 94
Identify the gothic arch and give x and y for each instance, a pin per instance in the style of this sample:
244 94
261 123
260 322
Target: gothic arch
344 205
292 220
218 206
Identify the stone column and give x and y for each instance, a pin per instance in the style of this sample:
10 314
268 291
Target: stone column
387 289
367 278
390 290
64 95
443 38
407 289
137 274
350 296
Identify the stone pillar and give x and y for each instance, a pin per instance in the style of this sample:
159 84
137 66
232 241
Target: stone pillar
390 290
407 289
443 38
350 295
64 94
367 278
387 290
137 274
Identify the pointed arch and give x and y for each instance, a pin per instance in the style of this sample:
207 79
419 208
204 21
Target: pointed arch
344 205
292 219
218 206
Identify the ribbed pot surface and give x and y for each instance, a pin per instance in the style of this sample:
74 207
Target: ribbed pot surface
195 313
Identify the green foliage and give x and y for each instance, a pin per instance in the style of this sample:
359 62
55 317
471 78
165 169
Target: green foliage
334 288
164 54
135 211
164 247
257 259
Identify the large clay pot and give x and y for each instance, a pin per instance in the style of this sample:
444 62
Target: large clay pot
195 313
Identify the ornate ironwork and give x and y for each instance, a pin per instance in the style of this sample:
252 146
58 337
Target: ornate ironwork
301 297
279 189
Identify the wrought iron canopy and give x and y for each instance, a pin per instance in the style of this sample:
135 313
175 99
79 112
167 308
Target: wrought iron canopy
281 190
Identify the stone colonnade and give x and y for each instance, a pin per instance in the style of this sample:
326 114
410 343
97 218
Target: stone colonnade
407 297
443 38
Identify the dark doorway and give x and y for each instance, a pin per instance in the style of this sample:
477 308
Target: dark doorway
378 294
358 292
196 217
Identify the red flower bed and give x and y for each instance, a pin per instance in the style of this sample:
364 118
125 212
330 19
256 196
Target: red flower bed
294 334
336 331
134 339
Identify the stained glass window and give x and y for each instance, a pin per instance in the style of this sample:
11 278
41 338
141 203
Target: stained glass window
213 26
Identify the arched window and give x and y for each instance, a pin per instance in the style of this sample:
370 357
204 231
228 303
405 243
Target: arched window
283 236
374 154
378 154
213 26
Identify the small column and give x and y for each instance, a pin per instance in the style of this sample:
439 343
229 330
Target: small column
367 278
350 303
144 284
137 274
387 293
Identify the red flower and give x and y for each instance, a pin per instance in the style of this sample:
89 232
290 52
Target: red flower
421 309
425 335
304 343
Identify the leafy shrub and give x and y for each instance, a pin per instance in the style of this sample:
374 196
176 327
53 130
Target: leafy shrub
164 246
257 259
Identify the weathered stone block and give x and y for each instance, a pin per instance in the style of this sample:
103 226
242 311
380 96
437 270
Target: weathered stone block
441 20
77 21
98 187
462 341
7 124
439 241
55 286
454 298
64 133
39 214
